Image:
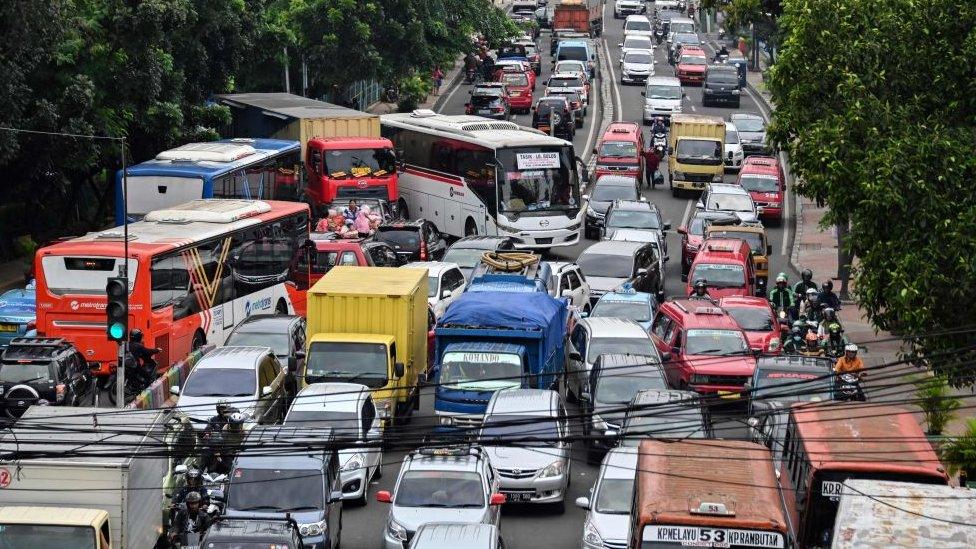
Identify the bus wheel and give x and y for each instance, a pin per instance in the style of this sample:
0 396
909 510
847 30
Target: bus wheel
281 308
470 229
198 341
402 209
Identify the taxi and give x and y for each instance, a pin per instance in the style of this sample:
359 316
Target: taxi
619 151
520 85
758 320
626 303
691 65
755 235
763 177
726 265
708 350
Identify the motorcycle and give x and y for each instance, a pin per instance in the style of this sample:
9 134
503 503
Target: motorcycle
659 139
849 387
659 35
470 75
783 316
721 58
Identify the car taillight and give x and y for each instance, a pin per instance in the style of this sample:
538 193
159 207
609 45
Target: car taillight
423 251
497 109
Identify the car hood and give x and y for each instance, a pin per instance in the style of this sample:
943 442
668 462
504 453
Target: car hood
739 365
412 518
510 457
637 67
603 283
599 206
612 230
201 409
690 68
301 517
611 527
745 217
752 137
760 340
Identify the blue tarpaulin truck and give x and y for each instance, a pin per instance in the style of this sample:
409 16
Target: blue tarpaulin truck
487 341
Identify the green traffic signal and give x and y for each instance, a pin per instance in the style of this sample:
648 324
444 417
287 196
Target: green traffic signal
117 331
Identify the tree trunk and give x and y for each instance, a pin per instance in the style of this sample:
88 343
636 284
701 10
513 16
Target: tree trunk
844 260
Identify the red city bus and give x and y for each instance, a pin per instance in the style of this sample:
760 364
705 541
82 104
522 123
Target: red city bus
824 445
707 493
195 271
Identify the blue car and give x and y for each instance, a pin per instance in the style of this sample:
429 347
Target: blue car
627 303
18 311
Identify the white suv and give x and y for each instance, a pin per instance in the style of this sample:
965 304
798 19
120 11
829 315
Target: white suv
628 7
568 281
733 148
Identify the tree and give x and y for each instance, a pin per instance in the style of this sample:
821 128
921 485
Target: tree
761 14
874 104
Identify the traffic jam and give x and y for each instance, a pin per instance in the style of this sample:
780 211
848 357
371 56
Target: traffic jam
553 310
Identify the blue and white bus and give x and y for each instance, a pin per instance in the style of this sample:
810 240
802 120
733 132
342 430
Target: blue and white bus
267 169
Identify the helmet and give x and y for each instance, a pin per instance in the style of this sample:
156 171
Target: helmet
827 286
193 497
812 291
850 348
806 275
701 284
223 406
193 476
236 419
798 324
811 337
781 277
829 312
135 335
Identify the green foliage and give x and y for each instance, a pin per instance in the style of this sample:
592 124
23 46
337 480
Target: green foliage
874 104
936 401
413 90
959 454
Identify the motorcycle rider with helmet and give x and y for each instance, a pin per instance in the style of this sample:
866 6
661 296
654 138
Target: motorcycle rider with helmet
781 297
190 519
806 282
794 344
828 297
699 290
811 308
827 318
215 458
145 364
834 342
217 423
658 126
194 483
812 346
850 363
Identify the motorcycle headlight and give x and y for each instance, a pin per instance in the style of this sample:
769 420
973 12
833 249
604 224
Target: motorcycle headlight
312 529
383 407
355 462
591 536
554 469
396 531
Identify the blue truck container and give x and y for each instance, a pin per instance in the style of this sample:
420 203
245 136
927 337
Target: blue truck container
487 341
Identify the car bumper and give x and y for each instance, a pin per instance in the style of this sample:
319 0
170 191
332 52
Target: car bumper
316 542
547 490
634 78
390 543
520 102
730 392
773 211
354 483
691 78
690 185
734 163
558 238
726 98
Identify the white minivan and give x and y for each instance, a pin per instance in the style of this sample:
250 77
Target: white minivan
638 25
662 97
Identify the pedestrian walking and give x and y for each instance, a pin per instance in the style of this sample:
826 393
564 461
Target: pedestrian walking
438 79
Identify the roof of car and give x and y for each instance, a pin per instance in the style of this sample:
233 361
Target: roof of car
701 314
614 247
621 364
620 462
266 323
568 74
233 357
337 244
524 402
633 205
479 242
403 224
795 362
622 131
333 397
744 115
601 327
744 301
434 268
616 180
449 535
717 249
467 462
663 80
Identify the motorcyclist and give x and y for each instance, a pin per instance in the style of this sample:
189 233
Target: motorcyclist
215 459
699 290
217 423
834 342
850 363
723 51
234 432
794 343
829 317
812 346
658 126
781 297
194 483
806 282
811 308
190 518
143 355
828 297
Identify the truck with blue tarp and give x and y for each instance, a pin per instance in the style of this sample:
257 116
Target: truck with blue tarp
488 341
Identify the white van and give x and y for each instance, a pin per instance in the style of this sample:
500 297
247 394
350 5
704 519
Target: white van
662 97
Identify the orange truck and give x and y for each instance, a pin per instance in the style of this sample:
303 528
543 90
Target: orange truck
583 16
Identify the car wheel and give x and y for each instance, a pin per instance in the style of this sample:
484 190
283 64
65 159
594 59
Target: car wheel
470 228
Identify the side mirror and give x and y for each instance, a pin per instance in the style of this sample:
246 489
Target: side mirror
684 95
667 226
620 45
179 469
665 357
174 390
583 502
383 496
675 351
584 314
398 369
700 205
497 499
643 199
445 294
265 391
335 497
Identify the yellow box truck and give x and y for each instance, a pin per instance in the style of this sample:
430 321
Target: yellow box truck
369 325
695 145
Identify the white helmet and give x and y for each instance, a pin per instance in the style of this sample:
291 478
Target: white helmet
850 348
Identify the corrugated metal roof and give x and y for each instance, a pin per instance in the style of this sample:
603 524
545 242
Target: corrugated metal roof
893 516
294 106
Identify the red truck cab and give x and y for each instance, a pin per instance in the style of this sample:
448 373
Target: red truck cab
708 350
344 168
763 177
726 265
619 151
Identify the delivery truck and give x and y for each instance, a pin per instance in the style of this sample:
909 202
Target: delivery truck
93 475
488 341
369 325
345 157
695 145
583 16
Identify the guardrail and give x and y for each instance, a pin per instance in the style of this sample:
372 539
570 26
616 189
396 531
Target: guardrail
157 395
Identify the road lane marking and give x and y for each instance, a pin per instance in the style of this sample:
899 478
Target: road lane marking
687 215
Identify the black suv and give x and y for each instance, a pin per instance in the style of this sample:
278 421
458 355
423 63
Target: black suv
37 370
489 104
253 532
721 86
553 115
413 240
638 215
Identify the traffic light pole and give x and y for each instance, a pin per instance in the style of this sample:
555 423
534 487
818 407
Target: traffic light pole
124 344
120 375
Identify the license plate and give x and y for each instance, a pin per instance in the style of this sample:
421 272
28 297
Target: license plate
8 327
484 111
728 394
517 497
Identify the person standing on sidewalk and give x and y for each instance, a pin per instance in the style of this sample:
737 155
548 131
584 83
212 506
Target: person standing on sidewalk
438 76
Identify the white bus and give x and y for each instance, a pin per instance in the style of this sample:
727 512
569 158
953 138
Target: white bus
473 176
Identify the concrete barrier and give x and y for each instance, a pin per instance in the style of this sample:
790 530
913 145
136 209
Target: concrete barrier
157 395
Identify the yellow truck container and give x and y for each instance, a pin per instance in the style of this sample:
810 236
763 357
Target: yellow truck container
695 146
369 325
288 116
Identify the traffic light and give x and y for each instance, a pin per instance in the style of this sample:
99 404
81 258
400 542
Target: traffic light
117 309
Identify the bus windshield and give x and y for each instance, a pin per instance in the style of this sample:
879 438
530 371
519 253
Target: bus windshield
84 275
345 163
537 179
481 371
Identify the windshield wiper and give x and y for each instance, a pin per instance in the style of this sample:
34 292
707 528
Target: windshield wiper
466 506
260 507
300 508
31 380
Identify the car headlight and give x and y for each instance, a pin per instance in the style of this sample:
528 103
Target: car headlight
312 529
591 536
355 462
383 407
447 420
396 531
678 175
598 423
774 344
735 92
554 469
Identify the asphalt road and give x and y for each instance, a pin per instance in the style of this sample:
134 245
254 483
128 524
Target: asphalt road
538 527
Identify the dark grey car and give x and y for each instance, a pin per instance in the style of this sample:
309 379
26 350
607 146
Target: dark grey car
607 189
721 86
752 132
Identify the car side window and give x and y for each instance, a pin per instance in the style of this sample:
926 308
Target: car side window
574 280
564 283
675 339
453 279
349 258
662 326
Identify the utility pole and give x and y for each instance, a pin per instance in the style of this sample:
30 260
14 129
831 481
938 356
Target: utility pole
287 78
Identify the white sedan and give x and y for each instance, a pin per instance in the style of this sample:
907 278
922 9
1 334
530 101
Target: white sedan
445 283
